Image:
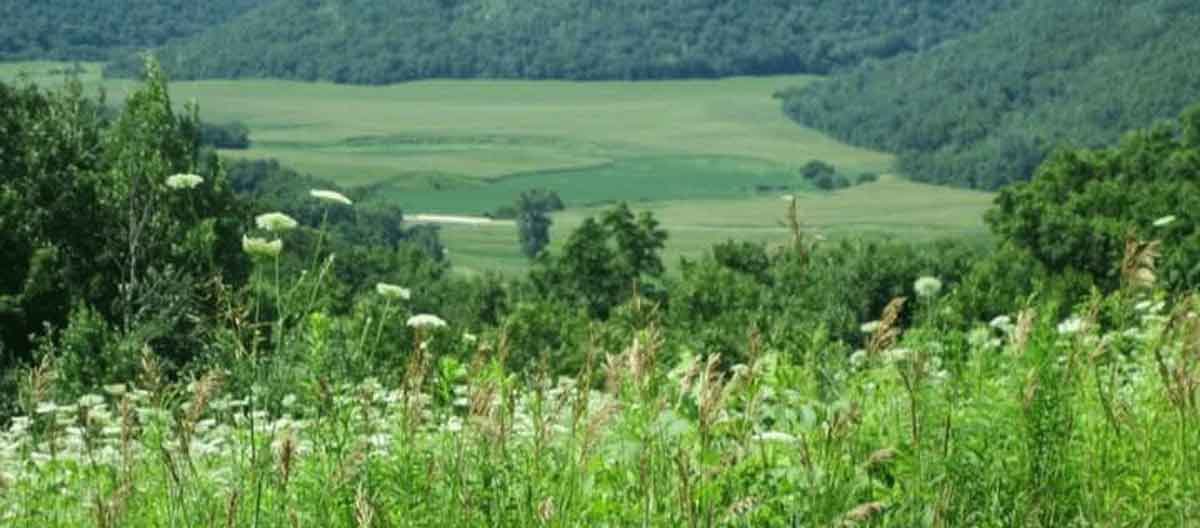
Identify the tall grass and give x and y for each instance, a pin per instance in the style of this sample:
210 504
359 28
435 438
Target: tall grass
1028 421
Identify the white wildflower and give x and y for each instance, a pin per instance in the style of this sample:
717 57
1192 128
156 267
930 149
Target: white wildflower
896 355
91 400
289 400
46 408
181 182
774 436
1165 221
426 321
116 390
1070 326
454 425
870 328
470 338
858 358
979 337
927 286
275 222
259 247
391 291
330 196
1002 322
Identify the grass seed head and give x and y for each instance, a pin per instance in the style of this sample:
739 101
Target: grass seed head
863 513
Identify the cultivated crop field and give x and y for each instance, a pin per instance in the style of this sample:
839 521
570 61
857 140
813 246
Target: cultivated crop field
710 158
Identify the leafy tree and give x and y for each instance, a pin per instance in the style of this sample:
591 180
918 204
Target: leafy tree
638 240
92 218
533 224
1083 205
816 169
603 260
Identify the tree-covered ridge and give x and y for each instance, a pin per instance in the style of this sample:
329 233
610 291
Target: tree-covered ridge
984 111
381 41
91 30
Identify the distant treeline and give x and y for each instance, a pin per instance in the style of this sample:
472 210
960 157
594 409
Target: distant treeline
91 30
381 41
983 111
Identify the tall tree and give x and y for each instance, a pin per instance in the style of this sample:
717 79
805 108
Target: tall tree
1084 205
533 223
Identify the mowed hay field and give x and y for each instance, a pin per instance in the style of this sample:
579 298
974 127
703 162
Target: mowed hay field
711 158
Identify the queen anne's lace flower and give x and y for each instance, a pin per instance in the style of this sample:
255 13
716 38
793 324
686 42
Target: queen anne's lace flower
426 321
260 247
927 286
1164 221
392 291
775 436
275 222
330 196
184 181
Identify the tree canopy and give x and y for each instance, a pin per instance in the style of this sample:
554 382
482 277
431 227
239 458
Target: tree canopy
1084 207
383 41
984 110
90 30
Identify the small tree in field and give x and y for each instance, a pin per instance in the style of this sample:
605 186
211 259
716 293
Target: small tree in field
533 224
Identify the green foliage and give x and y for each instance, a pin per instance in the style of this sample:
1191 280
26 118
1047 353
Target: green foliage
378 41
984 110
78 29
1084 205
817 169
602 261
90 219
533 220
867 177
233 135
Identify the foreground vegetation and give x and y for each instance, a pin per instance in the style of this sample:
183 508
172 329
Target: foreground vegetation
1027 421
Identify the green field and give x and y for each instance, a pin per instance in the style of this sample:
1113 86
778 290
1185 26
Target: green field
890 207
711 158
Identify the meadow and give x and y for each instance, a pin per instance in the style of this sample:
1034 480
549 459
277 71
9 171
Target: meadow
711 158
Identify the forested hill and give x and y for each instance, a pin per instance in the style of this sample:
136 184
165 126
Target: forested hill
98 29
382 41
984 110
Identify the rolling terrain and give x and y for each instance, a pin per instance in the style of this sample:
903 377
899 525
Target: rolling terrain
711 158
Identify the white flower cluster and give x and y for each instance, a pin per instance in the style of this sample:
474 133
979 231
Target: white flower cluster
275 222
927 287
330 196
391 291
183 182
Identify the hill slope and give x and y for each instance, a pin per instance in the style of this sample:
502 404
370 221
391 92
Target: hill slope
91 30
984 110
382 41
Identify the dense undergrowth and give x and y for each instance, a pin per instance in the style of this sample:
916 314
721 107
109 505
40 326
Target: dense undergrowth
1027 420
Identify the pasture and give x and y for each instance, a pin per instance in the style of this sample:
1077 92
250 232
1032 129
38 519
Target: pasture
711 158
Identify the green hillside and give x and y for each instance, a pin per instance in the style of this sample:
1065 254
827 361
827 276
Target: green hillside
90 30
984 110
380 41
